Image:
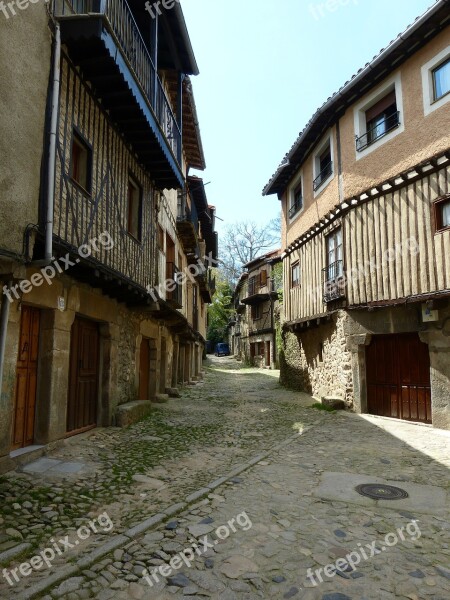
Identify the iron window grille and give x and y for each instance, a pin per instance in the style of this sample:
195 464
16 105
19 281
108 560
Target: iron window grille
378 131
333 282
323 175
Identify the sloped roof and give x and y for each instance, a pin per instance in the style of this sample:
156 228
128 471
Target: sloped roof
424 28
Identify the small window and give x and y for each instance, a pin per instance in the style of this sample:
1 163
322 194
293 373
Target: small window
134 209
323 166
81 163
160 238
381 118
441 80
263 278
295 275
442 214
320 352
335 254
256 312
296 203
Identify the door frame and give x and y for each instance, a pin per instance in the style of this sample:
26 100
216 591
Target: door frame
24 444
398 384
72 375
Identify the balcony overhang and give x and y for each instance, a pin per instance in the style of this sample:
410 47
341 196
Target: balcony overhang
95 49
258 298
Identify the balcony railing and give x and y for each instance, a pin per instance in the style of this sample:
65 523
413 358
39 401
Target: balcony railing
333 282
379 131
298 205
323 176
175 294
120 21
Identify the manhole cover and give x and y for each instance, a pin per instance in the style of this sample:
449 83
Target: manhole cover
378 491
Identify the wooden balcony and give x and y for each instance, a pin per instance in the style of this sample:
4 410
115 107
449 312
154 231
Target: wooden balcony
188 228
104 41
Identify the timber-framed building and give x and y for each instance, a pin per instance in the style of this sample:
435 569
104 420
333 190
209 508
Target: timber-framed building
99 136
365 195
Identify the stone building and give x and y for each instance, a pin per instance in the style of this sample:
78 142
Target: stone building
106 238
252 330
365 197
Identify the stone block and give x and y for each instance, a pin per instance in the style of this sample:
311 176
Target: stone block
334 403
132 412
161 398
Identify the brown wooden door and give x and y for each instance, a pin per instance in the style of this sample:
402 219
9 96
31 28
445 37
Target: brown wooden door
26 378
398 377
144 369
84 376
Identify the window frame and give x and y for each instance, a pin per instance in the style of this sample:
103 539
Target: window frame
79 139
133 181
391 84
438 223
257 313
433 72
295 265
327 140
297 182
431 104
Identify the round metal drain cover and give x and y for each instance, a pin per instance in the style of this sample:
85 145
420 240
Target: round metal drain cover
378 491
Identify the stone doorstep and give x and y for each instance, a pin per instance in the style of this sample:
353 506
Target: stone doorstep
333 402
37 590
161 398
132 412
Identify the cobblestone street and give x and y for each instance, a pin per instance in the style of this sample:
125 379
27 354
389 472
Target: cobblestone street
290 507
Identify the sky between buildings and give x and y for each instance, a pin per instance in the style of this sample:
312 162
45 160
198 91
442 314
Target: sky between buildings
265 67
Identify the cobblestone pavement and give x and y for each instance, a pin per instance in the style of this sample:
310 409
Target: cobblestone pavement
277 519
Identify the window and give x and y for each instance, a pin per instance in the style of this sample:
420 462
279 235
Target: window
320 352
442 214
134 209
441 80
323 164
263 278
334 271
436 81
295 275
381 118
256 312
296 200
81 163
161 238
378 117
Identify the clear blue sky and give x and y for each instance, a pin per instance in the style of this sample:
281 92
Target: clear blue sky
265 67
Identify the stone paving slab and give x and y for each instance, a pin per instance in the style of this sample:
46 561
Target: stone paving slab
422 498
292 530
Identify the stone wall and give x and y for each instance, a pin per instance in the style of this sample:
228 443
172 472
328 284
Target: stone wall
318 360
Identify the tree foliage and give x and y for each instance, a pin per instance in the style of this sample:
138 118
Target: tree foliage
220 311
244 241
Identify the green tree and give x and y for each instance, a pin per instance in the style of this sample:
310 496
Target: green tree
220 311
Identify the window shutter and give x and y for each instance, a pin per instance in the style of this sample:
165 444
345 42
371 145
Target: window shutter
379 108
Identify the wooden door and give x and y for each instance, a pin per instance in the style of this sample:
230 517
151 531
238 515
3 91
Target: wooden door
84 377
398 377
267 354
144 369
26 378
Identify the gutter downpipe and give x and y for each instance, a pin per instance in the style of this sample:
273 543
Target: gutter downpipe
52 152
4 316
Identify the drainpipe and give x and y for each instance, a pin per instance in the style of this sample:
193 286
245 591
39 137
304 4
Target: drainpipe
52 152
4 315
